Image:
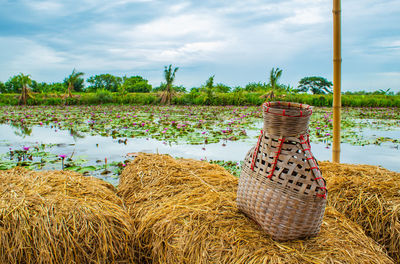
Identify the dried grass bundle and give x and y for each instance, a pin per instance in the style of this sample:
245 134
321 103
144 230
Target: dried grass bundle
370 196
61 217
185 211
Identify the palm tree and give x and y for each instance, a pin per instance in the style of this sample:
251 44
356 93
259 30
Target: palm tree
169 75
25 81
209 88
71 80
274 76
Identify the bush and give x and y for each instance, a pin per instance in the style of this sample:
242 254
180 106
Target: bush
136 84
104 96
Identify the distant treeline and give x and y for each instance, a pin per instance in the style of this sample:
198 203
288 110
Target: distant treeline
110 89
138 84
240 97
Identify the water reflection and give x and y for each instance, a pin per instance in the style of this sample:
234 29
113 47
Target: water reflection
21 130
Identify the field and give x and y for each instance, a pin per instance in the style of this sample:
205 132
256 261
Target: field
121 129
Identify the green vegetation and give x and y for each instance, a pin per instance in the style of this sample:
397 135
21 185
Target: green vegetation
104 82
233 167
40 157
110 89
136 84
74 82
274 76
239 97
208 89
169 92
24 82
317 85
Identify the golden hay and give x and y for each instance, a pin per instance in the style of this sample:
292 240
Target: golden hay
185 211
61 217
370 196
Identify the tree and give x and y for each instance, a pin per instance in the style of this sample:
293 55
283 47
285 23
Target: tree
13 85
136 84
2 87
169 75
25 81
179 88
57 87
222 88
384 92
104 81
317 85
237 89
209 89
194 90
163 86
40 87
253 87
274 76
74 82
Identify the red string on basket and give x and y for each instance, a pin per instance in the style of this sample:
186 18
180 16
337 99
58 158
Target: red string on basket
253 161
314 163
281 140
283 114
283 111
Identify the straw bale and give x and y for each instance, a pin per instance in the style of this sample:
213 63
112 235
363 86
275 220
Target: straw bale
61 217
370 196
185 211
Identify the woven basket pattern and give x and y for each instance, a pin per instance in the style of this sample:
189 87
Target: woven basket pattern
280 185
285 118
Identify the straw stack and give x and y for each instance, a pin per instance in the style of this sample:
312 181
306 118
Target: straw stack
370 196
185 211
61 217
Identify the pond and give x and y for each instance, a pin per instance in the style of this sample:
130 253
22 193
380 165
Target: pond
100 140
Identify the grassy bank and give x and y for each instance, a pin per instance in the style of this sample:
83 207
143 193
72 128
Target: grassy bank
238 98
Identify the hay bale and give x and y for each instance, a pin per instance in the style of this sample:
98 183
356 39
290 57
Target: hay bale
370 196
61 217
185 211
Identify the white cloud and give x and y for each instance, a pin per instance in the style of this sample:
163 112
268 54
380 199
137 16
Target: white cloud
196 26
307 16
27 56
389 44
238 41
45 6
391 74
178 7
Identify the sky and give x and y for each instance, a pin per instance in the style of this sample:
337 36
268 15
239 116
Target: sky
237 41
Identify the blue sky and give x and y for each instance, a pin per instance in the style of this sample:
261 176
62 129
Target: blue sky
237 41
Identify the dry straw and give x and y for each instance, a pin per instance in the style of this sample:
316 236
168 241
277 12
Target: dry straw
370 196
61 217
185 211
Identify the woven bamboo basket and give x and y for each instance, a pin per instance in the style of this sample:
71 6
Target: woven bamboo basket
281 186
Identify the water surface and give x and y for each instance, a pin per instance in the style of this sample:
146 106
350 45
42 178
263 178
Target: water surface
95 148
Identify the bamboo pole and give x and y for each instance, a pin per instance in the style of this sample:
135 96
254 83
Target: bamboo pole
337 61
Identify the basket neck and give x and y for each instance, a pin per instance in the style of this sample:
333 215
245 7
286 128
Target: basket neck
286 119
